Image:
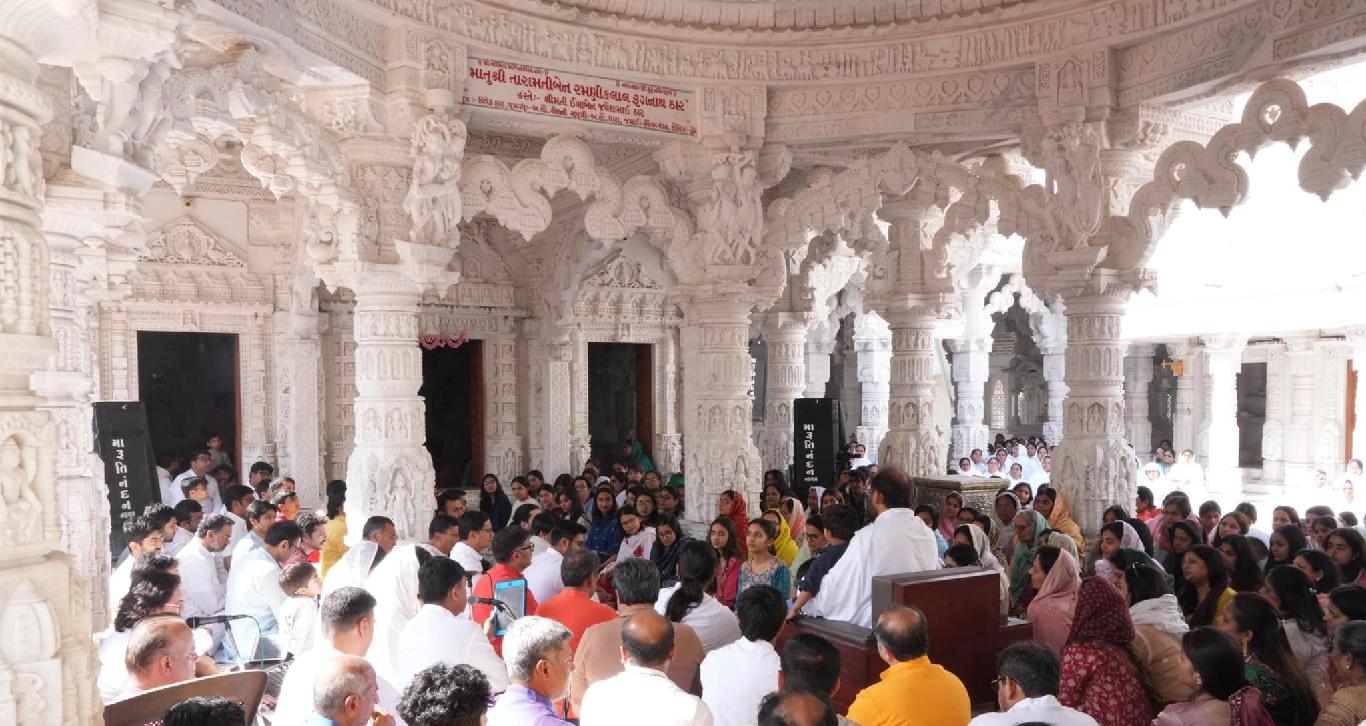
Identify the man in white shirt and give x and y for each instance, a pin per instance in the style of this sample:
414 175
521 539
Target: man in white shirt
438 635
476 534
204 593
543 576
167 461
978 465
442 534
143 536
199 467
647 645
188 515
260 517
235 502
897 541
160 653
735 678
348 627
254 589
811 665
1027 689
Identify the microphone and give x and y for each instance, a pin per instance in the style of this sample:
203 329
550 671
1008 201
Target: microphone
197 621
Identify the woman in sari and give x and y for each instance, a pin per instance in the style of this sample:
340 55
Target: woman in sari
976 537
1220 694
1007 506
1028 526
1053 506
1099 675
783 546
1054 574
948 515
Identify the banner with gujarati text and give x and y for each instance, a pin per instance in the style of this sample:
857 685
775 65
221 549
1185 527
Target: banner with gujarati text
510 86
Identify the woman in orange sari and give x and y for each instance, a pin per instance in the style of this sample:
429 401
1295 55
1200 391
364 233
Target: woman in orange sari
1053 506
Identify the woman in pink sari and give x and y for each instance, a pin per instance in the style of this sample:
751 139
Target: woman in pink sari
948 515
1055 575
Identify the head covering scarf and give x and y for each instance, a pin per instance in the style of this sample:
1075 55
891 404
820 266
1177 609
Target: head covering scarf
784 547
738 514
1048 610
638 456
352 569
1061 519
1129 538
1064 543
798 521
394 585
948 524
1145 537
820 491
982 544
1023 558
1101 614
1005 531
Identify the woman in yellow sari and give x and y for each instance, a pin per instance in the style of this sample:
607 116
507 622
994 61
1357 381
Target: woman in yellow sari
1053 506
783 547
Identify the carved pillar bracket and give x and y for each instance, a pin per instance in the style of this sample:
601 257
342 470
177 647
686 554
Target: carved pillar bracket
1225 357
1093 465
873 345
390 471
1138 374
785 334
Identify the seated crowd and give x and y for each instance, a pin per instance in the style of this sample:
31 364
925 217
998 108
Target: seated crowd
586 601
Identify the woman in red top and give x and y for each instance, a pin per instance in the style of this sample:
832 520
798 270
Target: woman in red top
1099 676
722 538
732 507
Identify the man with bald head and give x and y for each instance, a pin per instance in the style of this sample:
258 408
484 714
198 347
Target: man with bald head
796 708
160 653
346 693
647 645
913 691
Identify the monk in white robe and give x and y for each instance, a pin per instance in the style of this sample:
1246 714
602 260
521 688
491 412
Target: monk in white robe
896 542
393 582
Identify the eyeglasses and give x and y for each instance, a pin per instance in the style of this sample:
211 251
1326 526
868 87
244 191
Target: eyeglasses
526 548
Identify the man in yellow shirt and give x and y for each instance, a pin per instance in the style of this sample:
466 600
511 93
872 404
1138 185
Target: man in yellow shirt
913 691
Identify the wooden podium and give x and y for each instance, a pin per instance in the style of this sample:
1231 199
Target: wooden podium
967 631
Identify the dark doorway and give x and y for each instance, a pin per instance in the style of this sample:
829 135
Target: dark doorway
188 381
620 398
1251 413
453 385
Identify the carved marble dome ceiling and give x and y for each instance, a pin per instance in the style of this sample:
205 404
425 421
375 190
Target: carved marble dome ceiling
780 15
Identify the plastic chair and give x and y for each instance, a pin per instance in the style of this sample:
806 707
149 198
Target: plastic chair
148 709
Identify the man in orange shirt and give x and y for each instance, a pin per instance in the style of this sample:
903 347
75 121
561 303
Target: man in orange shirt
913 691
574 607
512 550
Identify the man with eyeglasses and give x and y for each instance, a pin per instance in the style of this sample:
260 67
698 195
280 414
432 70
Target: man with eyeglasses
512 550
1026 685
160 653
200 463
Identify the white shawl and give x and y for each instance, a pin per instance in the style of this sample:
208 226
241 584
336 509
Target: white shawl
352 569
896 542
394 585
1162 613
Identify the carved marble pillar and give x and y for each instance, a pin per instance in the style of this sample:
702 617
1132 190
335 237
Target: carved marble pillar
912 443
786 376
1187 410
820 343
971 357
390 471
580 440
1138 374
1273 431
68 384
1093 465
1299 450
1050 333
46 652
298 366
556 413
503 451
873 344
1225 358
668 452
717 430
